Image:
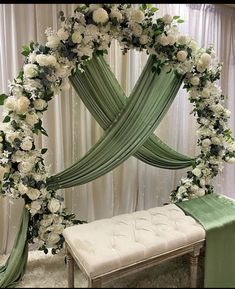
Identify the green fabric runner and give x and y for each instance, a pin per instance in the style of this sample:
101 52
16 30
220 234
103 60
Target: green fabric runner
105 99
14 269
217 215
139 118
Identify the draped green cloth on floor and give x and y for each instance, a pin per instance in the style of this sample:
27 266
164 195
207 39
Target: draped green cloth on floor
135 122
217 215
14 268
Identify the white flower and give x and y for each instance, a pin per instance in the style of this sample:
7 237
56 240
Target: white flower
52 239
115 13
197 172
171 39
53 41
85 51
26 144
63 34
76 37
195 80
163 40
12 135
205 93
22 189
182 55
227 113
22 105
46 221
193 45
31 118
136 29
144 39
54 205
100 16
39 104
92 30
25 167
182 39
57 229
206 59
181 190
215 140
200 192
167 18
33 194
35 207
3 170
93 7
46 60
32 57
136 15
200 66
206 142
30 70
10 103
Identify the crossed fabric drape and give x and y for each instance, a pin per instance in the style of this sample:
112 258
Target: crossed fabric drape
145 108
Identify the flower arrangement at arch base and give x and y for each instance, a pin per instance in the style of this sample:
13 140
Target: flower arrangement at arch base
45 73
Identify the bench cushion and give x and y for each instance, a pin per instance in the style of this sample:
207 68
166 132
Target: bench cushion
108 244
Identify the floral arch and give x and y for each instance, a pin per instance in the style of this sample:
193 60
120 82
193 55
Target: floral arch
46 71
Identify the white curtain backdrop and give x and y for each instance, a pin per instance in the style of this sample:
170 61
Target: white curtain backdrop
72 130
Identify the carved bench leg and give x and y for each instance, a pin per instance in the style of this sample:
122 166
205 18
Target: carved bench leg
95 283
70 264
194 267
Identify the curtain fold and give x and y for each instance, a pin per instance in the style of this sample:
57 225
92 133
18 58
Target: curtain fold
144 110
105 99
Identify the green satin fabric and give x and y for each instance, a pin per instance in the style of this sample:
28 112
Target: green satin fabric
104 98
14 269
217 215
128 132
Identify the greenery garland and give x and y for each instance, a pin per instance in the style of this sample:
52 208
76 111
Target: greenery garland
45 73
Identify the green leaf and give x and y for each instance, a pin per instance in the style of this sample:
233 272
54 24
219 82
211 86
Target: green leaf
2 98
26 50
7 119
43 151
154 9
180 21
176 17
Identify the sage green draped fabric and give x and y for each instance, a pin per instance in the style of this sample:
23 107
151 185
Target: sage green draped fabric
105 99
138 119
217 215
15 266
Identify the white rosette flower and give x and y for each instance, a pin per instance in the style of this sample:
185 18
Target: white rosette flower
22 189
12 135
22 105
35 207
54 205
77 37
25 167
182 55
52 239
46 221
115 13
197 172
46 60
195 80
26 144
33 194
167 19
39 104
136 29
163 40
31 118
136 15
100 16
63 34
182 39
10 103
144 39
206 143
30 70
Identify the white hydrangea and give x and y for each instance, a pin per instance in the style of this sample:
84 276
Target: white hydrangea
53 41
100 16
136 15
25 167
63 34
136 29
144 39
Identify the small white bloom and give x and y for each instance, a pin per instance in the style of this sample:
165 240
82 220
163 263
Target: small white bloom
46 60
53 41
163 40
10 103
193 45
202 182
206 143
52 239
33 194
22 105
136 15
25 167
181 190
115 13
200 66
12 135
46 221
22 189
76 37
32 57
39 104
100 15
197 172
144 39
205 93
30 70
136 29
200 192
215 140
182 55
31 118
195 80
35 207
167 19
171 39
182 39
54 205
227 113
206 59
63 34
26 144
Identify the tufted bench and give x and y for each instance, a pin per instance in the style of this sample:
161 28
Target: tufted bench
111 248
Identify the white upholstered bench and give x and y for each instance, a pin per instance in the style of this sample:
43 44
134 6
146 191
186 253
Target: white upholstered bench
111 248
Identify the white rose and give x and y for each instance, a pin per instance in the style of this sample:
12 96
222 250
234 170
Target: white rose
52 239
33 194
200 192
46 60
200 66
215 140
10 103
11 136
206 59
182 55
163 40
167 18
3 170
100 16
22 189
205 93
197 172
46 221
39 104
22 105
54 205
195 80
182 39
32 57
115 13
193 45
171 39
76 37
181 190
30 70
206 143
62 71
26 144
35 206
31 118
53 41
63 34
25 167
136 15
57 229
144 39
93 7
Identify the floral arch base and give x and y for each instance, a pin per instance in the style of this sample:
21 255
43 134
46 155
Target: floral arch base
45 73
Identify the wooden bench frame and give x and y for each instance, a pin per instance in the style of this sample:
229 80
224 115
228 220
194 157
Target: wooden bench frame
96 281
